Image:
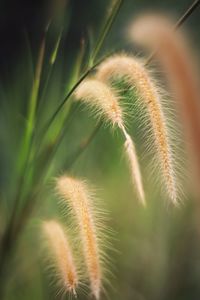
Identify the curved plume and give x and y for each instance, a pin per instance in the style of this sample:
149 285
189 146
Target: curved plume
100 97
134 72
77 194
97 94
61 255
178 64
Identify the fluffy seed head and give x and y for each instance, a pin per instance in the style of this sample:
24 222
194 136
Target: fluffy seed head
179 66
61 254
98 94
77 193
135 73
100 97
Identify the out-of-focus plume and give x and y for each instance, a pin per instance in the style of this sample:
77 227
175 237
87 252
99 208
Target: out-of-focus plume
61 255
178 63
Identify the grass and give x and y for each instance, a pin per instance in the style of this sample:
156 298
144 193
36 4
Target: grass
45 142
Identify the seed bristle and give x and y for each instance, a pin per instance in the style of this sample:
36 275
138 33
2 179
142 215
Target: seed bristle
77 194
61 255
130 68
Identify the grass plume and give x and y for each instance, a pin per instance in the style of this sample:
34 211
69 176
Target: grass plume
178 63
99 95
130 68
61 254
77 194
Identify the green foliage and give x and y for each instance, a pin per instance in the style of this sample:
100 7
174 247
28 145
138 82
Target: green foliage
43 134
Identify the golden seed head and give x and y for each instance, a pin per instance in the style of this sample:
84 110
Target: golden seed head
135 73
77 194
100 97
61 255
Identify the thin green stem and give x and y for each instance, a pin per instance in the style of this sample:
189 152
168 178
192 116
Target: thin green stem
54 148
92 65
34 96
26 145
56 47
52 61
186 15
106 29
7 241
46 127
82 147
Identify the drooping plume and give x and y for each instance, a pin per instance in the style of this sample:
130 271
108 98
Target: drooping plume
61 255
131 155
134 72
177 61
79 198
100 96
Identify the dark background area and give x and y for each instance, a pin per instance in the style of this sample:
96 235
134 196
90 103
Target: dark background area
27 18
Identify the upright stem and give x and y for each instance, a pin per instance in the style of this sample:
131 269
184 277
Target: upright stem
92 64
106 29
7 239
34 95
52 61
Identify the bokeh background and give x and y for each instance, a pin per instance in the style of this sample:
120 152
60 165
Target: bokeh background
158 247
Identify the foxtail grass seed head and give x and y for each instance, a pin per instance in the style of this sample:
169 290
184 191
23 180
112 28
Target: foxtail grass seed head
177 60
61 255
77 194
130 68
101 98
100 95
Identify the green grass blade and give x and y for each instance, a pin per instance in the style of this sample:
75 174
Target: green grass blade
106 29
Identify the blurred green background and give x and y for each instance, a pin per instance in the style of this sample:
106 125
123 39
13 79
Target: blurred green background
158 247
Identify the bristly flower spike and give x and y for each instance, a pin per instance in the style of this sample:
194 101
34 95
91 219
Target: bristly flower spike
78 197
61 255
173 53
103 98
130 68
